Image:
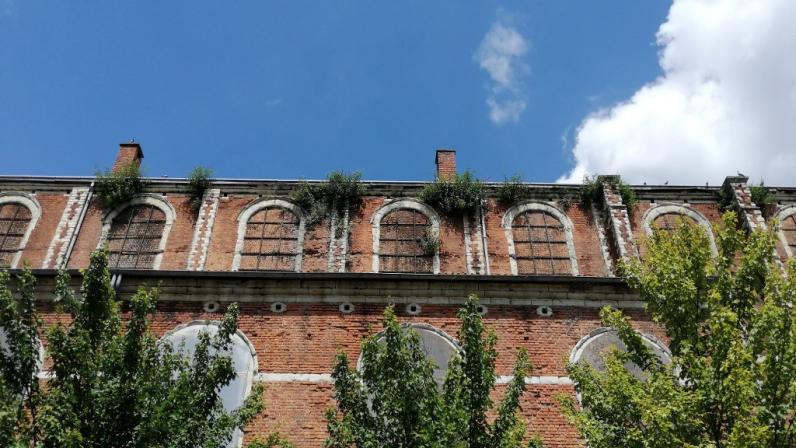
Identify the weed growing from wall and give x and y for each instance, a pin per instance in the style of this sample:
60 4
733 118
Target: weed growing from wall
116 188
339 196
511 191
198 183
461 195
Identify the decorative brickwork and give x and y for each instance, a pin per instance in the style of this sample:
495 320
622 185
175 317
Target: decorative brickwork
619 219
65 232
204 228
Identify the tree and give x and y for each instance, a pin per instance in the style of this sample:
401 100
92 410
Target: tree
730 323
395 402
113 384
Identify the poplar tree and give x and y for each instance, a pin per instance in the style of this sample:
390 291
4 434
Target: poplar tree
730 322
112 383
393 400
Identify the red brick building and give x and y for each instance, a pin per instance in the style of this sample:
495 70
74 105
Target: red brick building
543 268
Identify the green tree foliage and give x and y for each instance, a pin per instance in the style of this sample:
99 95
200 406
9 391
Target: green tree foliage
112 384
394 400
730 320
458 196
115 188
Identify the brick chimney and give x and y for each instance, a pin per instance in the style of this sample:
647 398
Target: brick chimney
446 164
128 153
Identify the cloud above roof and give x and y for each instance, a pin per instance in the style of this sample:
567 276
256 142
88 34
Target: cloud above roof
501 54
726 101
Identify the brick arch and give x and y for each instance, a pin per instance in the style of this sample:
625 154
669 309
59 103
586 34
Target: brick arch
517 210
157 201
663 209
584 349
29 202
257 206
409 204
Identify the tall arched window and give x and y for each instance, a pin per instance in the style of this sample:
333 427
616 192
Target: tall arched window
540 240
244 362
18 216
437 345
787 229
666 217
270 237
592 349
405 238
136 233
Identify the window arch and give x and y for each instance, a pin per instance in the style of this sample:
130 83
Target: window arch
399 230
437 345
592 348
540 240
270 237
664 217
19 213
787 229
136 233
244 361
6 350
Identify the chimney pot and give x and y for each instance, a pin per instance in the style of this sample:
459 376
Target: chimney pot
446 164
129 153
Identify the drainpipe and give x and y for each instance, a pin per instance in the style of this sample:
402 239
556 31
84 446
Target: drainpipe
80 219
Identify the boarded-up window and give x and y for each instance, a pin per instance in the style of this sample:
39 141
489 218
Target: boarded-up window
402 234
134 237
540 244
788 229
14 221
271 241
668 222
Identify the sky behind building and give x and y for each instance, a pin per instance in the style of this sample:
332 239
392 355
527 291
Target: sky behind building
547 90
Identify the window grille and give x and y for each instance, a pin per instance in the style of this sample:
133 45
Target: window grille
134 237
14 221
271 241
668 222
788 229
401 248
540 244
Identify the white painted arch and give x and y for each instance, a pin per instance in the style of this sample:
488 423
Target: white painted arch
662 209
256 206
513 212
244 358
155 200
30 202
783 213
398 204
437 345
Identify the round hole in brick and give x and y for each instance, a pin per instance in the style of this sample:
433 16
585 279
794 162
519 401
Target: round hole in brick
278 307
544 311
346 308
413 309
481 309
211 306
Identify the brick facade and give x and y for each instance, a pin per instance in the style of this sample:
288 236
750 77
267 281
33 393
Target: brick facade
296 348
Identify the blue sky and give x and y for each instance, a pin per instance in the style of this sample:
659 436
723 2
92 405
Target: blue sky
296 89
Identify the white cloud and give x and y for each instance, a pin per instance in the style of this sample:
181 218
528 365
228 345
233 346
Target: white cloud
501 55
726 101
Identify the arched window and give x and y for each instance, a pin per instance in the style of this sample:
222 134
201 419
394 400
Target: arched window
405 238
18 216
244 361
136 232
592 349
666 217
787 229
437 345
540 240
270 237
